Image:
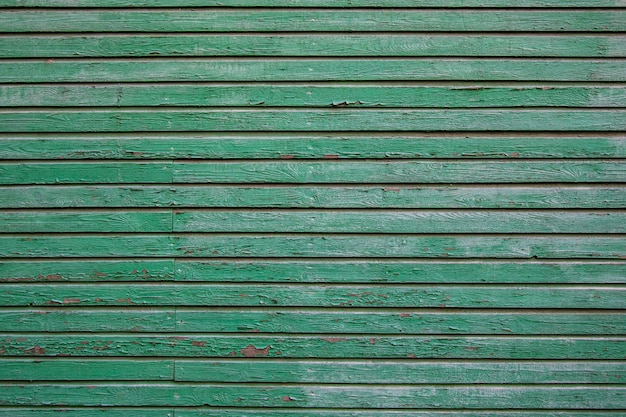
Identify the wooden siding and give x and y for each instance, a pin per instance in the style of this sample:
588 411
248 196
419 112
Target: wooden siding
313 208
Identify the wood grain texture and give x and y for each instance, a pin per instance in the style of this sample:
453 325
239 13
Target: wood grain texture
279 95
316 3
208 412
86 370
310 69
400 372
87 270
463 397
370 221
332 45
221 146
315 346
115 319
301 412
91 411
392 196
345 221
78 221
316 271
52 319
428 271
342 120
303 208
417 296
306 20
313 246
329 171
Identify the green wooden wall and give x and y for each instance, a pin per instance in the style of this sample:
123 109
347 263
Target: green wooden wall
313 208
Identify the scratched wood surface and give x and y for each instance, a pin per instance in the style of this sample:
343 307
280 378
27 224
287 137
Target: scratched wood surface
309 208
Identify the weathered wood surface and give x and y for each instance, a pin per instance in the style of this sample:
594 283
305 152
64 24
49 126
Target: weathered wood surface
329 171
337 44
338 95
407 296
306 20
299 346
314 246
320 221
316 3
325 372
415 372
221 146
63 316
414 271
308 208
296 396
396 196
310 69
311 120
301 412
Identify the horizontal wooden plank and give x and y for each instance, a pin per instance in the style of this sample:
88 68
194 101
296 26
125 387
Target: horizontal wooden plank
312 246
297 412
351 221
341 120
281 295
305 196
315 3
344 45
312 45
87 270
116 412
369 221
221 412
80 221
385 172
224 412
302 172
82 320
321 346
86 370
462 397
339 69
304 146
86 172
251 20
411 372
413 271
293 271
237 95
407 321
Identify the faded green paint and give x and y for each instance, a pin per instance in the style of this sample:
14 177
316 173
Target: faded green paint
252 20
308 208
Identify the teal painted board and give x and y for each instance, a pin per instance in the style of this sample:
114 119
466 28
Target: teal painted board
303 396
313 3
308 208
336 296
306 20
479 95
73 70
415 372
320 346
72 317
298 245
331 45
353 196
311 120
